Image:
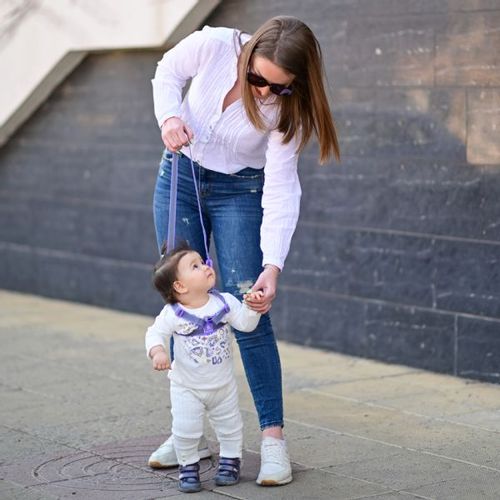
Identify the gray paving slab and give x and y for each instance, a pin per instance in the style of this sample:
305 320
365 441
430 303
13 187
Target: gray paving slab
11 491
400 495
480 484
16 445
81 410
315 484
487 419
396 428
406 470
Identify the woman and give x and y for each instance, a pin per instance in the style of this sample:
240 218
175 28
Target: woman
252 106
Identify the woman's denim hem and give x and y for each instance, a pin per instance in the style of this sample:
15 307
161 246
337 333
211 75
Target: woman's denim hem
268 426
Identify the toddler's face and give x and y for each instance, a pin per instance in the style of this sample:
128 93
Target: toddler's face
194 274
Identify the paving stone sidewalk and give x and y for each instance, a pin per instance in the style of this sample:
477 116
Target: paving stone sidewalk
81 410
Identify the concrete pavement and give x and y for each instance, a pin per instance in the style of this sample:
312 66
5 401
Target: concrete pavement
81 410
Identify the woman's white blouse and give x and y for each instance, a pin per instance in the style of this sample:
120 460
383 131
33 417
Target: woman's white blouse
226 141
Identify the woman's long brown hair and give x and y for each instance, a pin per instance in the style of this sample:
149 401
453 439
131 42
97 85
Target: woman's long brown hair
289 43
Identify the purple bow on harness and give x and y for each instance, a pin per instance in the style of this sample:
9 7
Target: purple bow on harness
208 324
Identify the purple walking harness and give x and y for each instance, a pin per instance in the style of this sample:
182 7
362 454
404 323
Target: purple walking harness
208 324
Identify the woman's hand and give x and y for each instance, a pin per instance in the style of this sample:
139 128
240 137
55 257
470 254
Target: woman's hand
267 282
175 134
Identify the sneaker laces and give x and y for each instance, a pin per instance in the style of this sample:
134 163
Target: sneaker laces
274 452
164 445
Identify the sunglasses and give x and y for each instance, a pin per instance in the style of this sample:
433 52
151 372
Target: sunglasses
275 88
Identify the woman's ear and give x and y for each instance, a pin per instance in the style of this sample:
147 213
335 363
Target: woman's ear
179 287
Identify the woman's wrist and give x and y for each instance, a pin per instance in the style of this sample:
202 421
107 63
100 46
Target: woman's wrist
276 269
165 121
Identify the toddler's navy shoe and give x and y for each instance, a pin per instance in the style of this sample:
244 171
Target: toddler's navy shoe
229 472
189 478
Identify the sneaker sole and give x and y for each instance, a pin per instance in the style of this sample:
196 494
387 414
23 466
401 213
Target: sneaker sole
159 465
205 453
273 482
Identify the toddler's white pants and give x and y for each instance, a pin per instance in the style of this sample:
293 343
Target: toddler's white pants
188 409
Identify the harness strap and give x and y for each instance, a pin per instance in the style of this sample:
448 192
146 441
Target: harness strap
208 324
172 208
172 214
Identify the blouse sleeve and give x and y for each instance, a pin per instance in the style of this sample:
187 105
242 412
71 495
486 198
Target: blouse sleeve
280 199
176 67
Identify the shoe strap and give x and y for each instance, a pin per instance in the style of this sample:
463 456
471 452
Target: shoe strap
229 461
229 466
190 471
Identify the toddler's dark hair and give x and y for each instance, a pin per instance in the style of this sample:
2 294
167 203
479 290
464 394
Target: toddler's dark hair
165 270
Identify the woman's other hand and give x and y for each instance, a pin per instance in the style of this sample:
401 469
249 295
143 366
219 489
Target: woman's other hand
267 282
250 298
175 134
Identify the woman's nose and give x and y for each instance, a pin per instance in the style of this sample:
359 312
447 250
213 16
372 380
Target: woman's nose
264 91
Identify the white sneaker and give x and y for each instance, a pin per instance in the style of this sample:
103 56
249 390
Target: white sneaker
275 465
165 455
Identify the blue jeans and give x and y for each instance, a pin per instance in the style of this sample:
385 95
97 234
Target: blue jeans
232 213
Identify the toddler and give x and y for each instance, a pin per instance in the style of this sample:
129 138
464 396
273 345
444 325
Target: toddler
201 375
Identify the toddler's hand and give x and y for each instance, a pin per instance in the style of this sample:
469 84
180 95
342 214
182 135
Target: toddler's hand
252 299
160 361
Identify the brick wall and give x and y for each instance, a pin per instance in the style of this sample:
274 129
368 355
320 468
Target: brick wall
76 186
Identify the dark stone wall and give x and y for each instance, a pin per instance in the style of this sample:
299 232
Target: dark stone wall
397 249
76 186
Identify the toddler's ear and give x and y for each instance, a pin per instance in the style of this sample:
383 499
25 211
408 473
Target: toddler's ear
180 287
